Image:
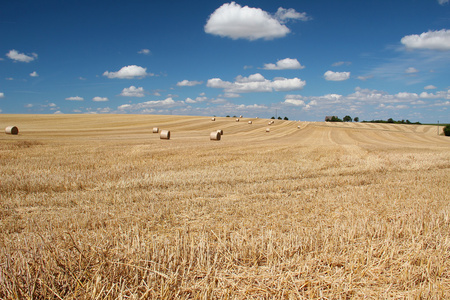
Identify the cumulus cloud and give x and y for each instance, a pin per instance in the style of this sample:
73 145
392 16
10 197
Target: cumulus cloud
284 64
283 14
16 56
295 100
76 98
189 83
144 51
237 22
256 83
432 40
336 76
34 74
133 91
411 70
100 99
128 72
150 106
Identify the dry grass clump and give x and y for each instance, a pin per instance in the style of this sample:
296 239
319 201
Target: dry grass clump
88 219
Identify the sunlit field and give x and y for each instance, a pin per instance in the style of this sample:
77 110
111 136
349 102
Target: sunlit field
99 207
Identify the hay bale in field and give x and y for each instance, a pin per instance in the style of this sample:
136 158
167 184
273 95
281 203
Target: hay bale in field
298 126
155 129
165 135
215 136
240 116
12 130
249 122
237 120
220 131
267 129
213 119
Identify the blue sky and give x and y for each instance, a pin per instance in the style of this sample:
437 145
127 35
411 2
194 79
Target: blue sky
300 59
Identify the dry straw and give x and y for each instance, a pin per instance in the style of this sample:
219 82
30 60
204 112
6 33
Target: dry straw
165 135
215 136
155 129
12 130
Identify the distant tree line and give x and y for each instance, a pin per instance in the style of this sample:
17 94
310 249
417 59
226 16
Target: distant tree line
345 119
392 121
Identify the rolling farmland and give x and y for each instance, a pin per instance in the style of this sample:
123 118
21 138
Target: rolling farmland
99 207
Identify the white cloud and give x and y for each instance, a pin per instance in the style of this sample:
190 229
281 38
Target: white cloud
58 112
442 2
336 76
411 70
76 98
364 78
144 51
128 72
34 74
197 100
189 83
341 63
28 105
133 91
284 64
430 87
237 22
100 99
433 40
9 78
14 55
2 95
149 106
283 14
294 100
256 83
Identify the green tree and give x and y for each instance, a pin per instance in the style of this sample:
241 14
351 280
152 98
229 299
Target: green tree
356 119
335 119
347 119
279 118
390 120
286 118
273 118
447 130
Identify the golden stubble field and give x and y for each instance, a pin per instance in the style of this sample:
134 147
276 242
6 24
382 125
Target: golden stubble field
98 207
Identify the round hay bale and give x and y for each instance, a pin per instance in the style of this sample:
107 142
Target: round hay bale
213 119
240 116
267 129
270 123
165 135
155 129
298 126
220 131
237 120
215 136
12 130
249 122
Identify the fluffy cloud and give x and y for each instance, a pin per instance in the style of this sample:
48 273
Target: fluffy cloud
283 14
14 55
144 51
149 106
411 70
196 100
100 99
34 74
237 22
336 76
76 98
256 83
189 83
433 40
2 95
284 64
128 72
133 91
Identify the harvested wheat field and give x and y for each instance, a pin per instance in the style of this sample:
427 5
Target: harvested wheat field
99 207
